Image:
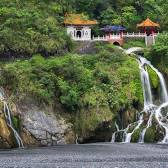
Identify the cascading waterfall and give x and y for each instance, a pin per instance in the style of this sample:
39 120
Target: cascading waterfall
8 118
162 120
129 135
164 93
113 136
147 92
151 109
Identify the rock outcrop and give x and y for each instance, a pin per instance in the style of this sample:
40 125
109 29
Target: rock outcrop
44 128
7 139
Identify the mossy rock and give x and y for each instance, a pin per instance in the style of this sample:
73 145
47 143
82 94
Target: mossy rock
7 139
150 135
160 133
119 136
135 135
153 78
131 128
16 123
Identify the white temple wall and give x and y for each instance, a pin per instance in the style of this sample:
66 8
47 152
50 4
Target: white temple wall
87 33
71 31
82 33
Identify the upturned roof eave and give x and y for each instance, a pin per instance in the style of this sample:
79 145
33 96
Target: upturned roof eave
148 23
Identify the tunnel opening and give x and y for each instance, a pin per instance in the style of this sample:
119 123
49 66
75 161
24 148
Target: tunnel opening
116 43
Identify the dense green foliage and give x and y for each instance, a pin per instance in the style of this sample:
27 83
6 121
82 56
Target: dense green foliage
159 53
126 12
97 85
72 76
134 42
29 27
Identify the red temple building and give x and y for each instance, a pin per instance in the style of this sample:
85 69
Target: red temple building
149 27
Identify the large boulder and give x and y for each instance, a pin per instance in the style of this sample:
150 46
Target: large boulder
44 128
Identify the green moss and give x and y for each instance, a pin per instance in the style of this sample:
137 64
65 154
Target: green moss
153 78
16 122
95 112
135 135
131 128
131 84
150 135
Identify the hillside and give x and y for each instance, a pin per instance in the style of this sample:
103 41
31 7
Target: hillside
32 27
89 90
59 91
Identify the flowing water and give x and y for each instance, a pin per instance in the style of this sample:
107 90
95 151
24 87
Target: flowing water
152 110
8 117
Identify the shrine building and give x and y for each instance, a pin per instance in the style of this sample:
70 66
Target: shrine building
149 27
78 27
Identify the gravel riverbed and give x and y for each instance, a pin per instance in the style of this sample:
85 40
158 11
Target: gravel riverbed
100 155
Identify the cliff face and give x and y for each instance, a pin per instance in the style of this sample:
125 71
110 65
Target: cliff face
36 126
73 98
47 127
44 127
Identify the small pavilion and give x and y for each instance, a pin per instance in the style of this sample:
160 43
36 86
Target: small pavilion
78 26
149 27
116 39
113 29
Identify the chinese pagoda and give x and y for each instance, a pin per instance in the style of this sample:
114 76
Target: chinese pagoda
148 27
78 27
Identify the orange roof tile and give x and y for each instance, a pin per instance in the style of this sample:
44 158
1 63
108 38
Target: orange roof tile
78 19
148 23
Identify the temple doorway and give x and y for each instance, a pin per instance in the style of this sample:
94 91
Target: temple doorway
79 34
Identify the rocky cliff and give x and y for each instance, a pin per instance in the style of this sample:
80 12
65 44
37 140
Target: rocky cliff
73 98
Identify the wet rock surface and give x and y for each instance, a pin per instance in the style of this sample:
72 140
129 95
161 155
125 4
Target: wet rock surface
91 155
45 128
6 137
101 134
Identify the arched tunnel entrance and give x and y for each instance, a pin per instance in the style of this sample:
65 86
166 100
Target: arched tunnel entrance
116 43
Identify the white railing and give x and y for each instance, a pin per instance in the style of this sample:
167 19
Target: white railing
107 38
132 35
136 35
114 37
99 38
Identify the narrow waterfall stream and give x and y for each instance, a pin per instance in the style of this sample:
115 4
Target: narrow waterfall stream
7 114
153 111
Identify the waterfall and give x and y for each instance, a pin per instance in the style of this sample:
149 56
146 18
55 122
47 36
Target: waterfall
147 92
164 93
7 114
149 124
150 109
163 121
129 135
113 137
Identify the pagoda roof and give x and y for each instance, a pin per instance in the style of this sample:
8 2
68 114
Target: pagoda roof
148 23
78 19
